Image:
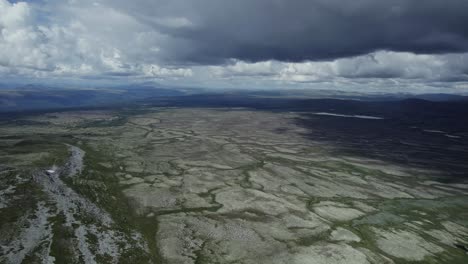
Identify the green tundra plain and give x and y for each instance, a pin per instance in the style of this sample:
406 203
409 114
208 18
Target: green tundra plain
201 185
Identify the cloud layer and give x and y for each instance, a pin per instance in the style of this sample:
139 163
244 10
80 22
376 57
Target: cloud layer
211 31
280 43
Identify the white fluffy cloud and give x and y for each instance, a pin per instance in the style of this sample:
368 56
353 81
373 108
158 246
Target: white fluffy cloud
96 40
78 42
376 65
18 40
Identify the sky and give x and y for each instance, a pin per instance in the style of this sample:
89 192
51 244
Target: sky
361 45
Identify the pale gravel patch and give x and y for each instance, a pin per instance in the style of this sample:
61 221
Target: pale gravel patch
364 207
189 164
374 257
380 218
335 213
39 230
108 242
285 150
131 181
68 201
405 245
147 196
4 201
443 237
240 199
341 234
329 253
386 190
71 204
75 164
234 240
330 203
83 245
293 190
144 121
456 229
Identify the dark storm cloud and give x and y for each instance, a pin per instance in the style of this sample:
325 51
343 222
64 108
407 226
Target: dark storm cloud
298 30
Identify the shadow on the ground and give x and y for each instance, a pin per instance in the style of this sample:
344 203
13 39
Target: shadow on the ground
417 133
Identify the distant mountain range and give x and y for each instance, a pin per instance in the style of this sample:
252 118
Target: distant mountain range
32 97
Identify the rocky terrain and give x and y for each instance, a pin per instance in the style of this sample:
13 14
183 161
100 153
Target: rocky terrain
202 185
